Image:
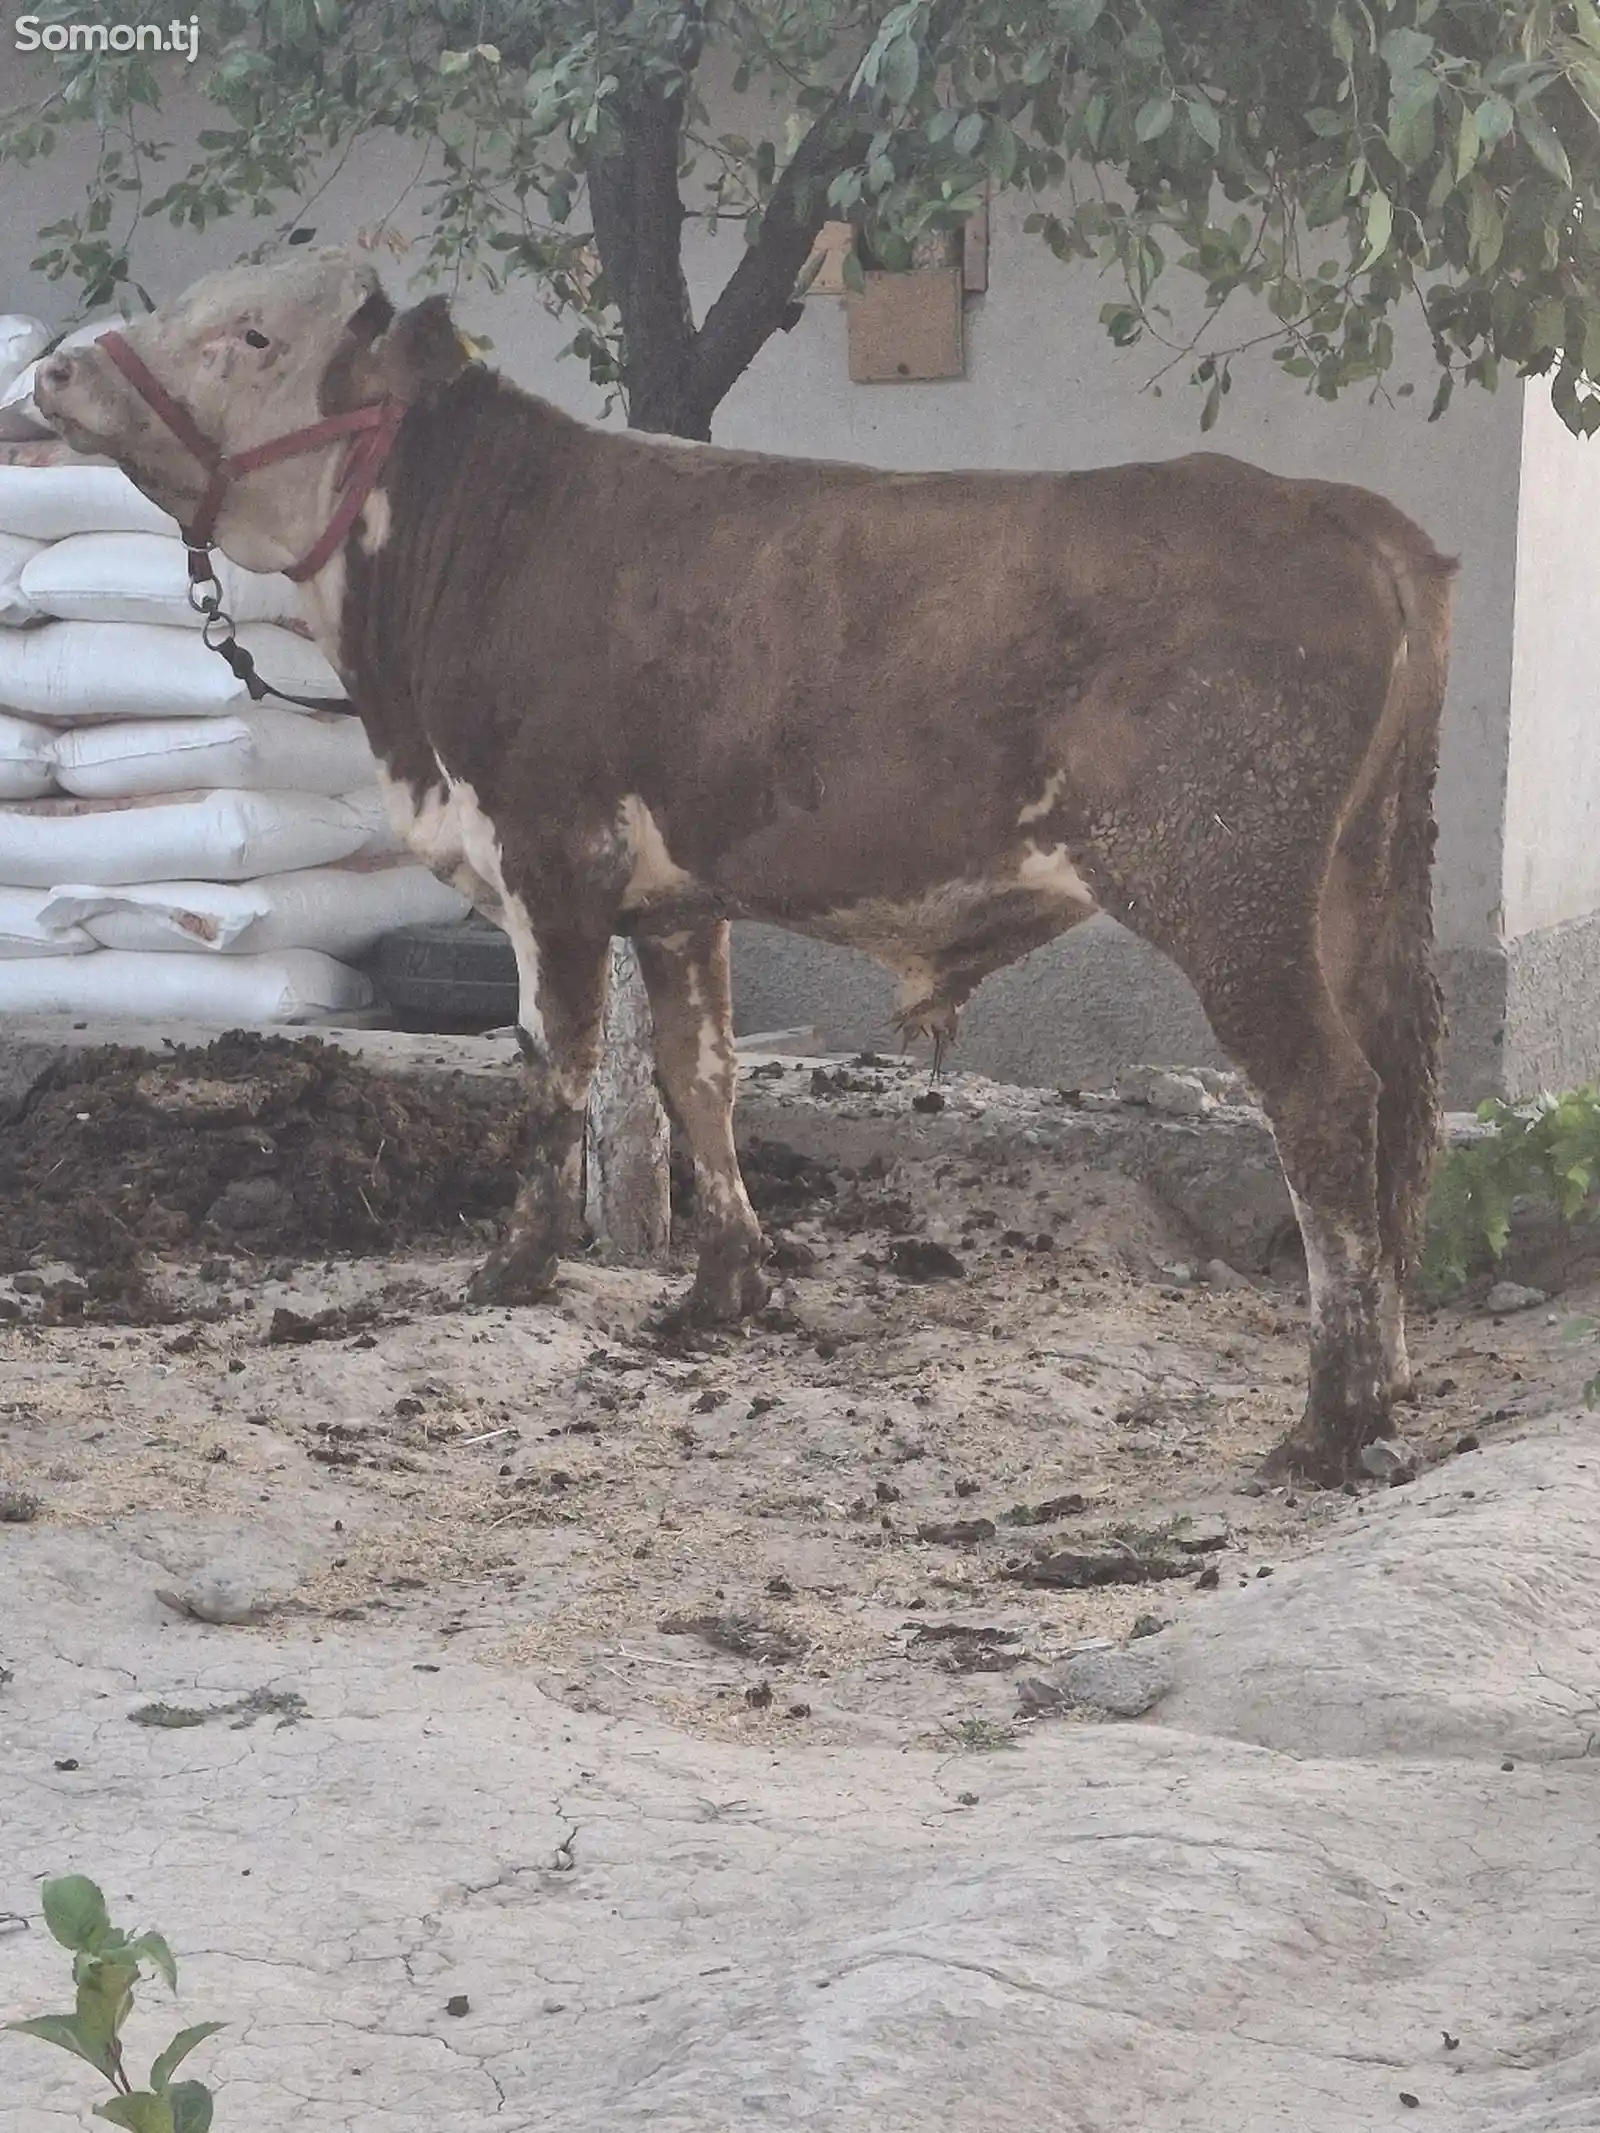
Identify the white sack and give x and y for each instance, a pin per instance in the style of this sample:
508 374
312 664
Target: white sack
144 577
80 673
381 840
22 342
341 910
51 503
265 749
215 836
26 759
16 553
23 930
297 986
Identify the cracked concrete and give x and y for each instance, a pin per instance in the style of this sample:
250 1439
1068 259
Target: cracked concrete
1366 1816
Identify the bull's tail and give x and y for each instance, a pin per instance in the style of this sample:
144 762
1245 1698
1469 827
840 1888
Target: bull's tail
1405 1040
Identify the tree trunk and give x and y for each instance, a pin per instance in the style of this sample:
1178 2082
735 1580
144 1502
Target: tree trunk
626 1198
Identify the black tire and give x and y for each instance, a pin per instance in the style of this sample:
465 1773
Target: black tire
451 979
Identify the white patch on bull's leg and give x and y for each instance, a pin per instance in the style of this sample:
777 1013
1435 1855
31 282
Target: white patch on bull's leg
1036 810
376 522
652 869
1051 873
1339 1263
449 832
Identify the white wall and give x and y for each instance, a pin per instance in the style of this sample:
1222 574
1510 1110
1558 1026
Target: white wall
1552 855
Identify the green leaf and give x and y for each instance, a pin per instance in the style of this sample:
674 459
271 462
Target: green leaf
1410 134
850 271
900 70
1078 17
1380 228
1495 120
1327 124
75 1912
140 2113
1486 227
63 2030
191 2108
1404 51
1469 142
968 134
179 2049
1204 120
105 1999
1545 142
1154 118
1213 405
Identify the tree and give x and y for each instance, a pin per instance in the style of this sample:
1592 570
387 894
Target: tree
1338 159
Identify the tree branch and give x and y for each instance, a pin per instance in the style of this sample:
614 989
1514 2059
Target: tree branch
758 292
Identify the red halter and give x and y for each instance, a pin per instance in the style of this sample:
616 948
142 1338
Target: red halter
371 428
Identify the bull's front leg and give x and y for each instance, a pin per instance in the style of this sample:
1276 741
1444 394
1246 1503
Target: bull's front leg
687 976
562 1002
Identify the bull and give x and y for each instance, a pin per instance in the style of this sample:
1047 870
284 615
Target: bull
617 685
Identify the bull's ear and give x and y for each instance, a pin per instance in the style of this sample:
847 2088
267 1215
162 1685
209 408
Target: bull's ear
405 358
421 351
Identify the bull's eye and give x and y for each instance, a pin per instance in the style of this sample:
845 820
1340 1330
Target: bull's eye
253 339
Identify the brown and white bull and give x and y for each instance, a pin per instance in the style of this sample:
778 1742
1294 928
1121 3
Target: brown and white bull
618 685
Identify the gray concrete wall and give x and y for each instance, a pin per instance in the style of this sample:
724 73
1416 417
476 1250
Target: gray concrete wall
1044 388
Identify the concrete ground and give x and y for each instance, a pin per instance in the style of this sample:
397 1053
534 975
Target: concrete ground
1351 1861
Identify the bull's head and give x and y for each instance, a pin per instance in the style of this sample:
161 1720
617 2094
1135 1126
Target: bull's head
252 354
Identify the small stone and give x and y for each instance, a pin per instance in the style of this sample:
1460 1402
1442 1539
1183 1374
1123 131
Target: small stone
1411 2102
957 1532
759 1695
1471 1442
1385 1460
1111 1684
1219 1275
1201 1533
1181 1095
929 1102
458 2004
218 1596
1512 1296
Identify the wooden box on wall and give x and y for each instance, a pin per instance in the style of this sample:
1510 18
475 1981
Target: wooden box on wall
907 326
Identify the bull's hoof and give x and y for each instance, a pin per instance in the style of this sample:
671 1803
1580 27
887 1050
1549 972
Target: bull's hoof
723 1300
514 1277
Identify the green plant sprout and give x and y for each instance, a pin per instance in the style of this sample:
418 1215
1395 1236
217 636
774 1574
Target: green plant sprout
107 1966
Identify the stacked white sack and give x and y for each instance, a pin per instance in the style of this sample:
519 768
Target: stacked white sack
168 847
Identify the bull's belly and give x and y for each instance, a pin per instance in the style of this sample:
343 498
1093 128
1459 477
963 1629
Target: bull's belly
942 942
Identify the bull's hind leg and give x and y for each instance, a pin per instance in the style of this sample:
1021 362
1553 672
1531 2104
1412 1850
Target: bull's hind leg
1321 1097
563 981
687 976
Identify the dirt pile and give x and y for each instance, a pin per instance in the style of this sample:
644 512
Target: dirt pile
265 1146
